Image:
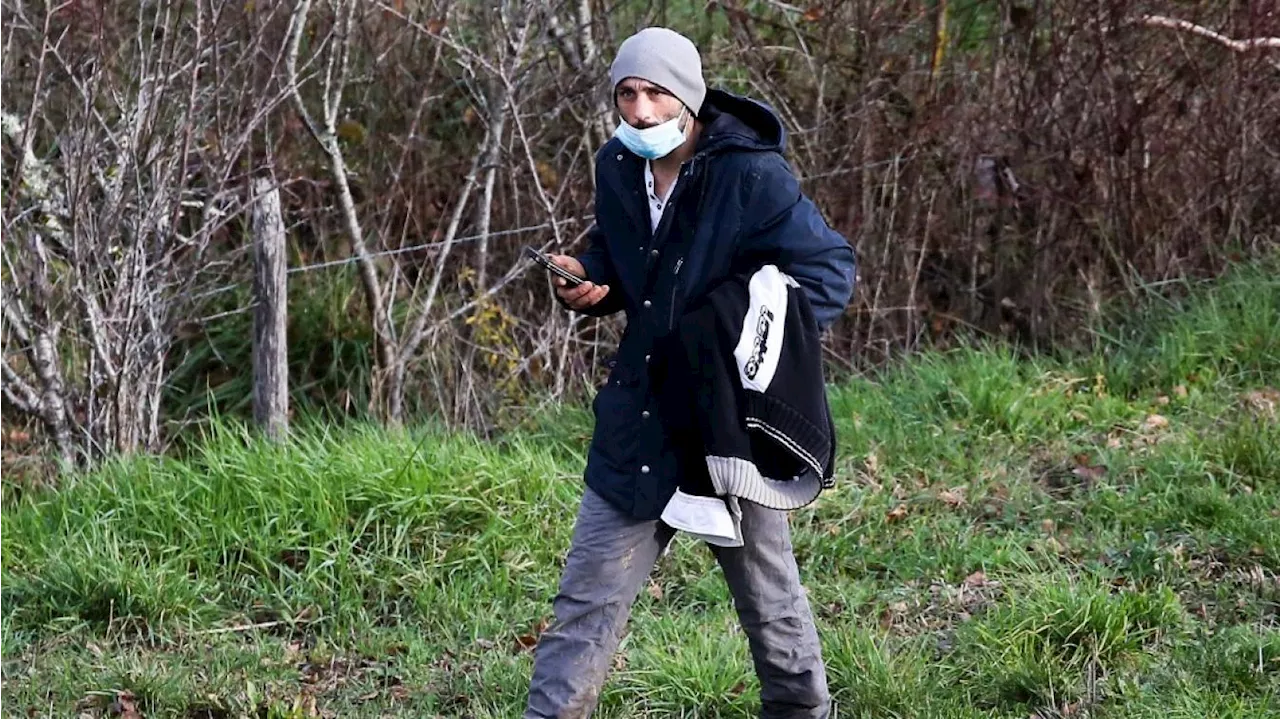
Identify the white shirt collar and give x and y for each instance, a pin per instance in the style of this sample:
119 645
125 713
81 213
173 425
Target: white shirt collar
657 205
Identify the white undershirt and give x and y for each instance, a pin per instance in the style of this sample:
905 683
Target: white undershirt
656 204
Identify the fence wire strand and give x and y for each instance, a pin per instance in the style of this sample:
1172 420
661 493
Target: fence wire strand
382 253
474 238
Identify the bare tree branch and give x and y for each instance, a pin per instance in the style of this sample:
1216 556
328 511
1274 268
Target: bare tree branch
327 136
1247 45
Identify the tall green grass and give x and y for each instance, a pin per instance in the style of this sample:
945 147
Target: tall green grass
329 361
1008 537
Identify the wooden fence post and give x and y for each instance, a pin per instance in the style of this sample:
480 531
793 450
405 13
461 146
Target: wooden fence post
270 360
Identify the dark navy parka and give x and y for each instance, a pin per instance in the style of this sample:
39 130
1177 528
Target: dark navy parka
737 205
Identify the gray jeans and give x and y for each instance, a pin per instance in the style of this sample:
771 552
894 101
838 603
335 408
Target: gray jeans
610 559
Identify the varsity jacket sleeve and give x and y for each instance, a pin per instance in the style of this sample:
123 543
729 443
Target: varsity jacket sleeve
788 230
754 363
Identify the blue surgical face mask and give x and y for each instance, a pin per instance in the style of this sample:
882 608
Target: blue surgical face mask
654 142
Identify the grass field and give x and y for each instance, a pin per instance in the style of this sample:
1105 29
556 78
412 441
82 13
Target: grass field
1096 536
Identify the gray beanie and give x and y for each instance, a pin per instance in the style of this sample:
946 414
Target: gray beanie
663 57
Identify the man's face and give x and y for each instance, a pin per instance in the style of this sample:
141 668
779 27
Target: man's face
643 104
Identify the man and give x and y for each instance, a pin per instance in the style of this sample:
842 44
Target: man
692 188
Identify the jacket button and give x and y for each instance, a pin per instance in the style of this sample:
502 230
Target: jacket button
646 359
619 157
647 304
644 414
653 253
644 469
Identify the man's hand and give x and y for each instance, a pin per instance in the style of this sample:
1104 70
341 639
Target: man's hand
584 295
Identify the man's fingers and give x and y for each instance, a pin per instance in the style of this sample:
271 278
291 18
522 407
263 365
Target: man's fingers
569 263
584 295
594 295
573 294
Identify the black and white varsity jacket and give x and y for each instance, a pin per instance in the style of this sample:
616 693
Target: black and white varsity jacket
744 398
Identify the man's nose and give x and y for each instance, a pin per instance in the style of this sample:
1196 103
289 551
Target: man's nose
646 112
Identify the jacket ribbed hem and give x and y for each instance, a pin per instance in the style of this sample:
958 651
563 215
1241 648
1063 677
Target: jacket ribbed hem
739 477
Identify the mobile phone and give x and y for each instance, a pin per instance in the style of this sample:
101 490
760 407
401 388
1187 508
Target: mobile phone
542 259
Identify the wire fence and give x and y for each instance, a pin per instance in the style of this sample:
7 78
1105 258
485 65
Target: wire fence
341 262
382 253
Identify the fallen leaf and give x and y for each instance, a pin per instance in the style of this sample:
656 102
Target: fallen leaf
872 463
1263 402
954 496
1089 473
1154 422
897 513
125 706
813 14
526 642
886 619
1047 526
304 706
977 579
655 591
1180 390
738 689
1162 400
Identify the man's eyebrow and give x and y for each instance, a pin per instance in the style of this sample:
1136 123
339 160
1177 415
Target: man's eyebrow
641 85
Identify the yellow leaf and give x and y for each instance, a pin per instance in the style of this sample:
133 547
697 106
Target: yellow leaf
351 131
